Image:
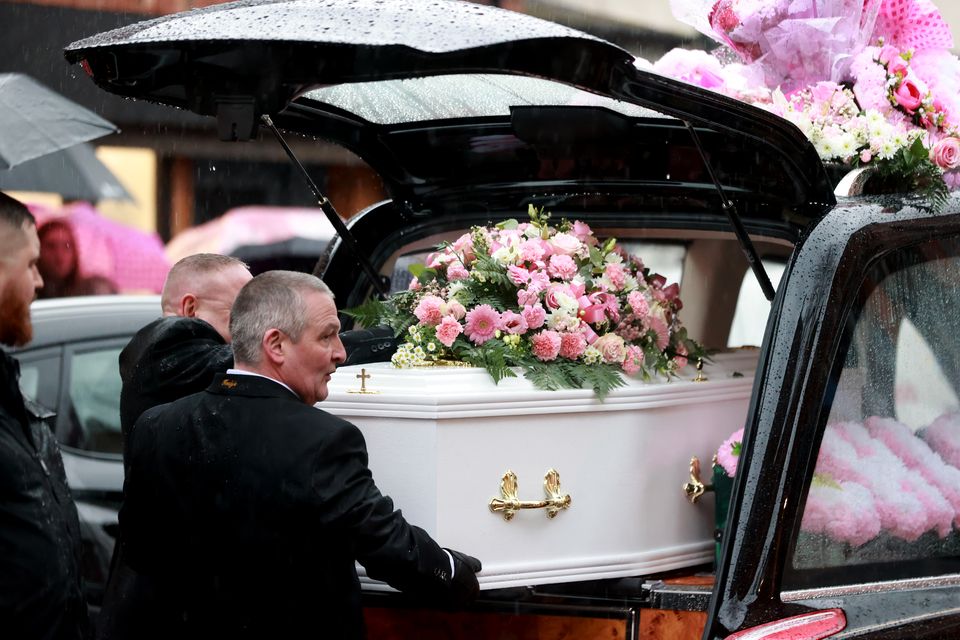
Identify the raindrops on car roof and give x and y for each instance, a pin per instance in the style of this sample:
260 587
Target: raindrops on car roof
459 96
427 25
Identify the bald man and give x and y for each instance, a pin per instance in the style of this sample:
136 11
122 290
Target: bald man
179 354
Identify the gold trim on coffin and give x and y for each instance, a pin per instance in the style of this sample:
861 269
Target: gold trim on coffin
509 504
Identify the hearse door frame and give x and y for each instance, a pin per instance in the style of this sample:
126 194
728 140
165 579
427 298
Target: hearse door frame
787 415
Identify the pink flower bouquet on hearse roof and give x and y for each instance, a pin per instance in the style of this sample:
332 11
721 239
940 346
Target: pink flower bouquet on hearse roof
872 83
565 309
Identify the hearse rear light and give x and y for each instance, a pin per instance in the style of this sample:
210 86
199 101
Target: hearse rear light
807 626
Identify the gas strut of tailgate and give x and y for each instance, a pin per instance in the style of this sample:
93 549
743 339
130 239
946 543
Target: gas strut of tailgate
730 209
327 207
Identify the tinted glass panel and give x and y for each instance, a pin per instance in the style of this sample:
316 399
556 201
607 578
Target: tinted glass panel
40 376
93 420
884 501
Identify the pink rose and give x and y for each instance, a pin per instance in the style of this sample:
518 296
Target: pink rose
633 361
909 94
482 323
456 271
513 323
564 243
448 330
562 267
545 345
414 284
572 345
456 309
946 153
464 246
865 156
582 230
550 297
534 315
611 347
428 310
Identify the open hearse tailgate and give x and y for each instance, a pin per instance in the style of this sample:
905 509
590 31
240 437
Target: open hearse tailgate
241 60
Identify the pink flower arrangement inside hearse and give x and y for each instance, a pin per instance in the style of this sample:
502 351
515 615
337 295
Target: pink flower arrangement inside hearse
550 301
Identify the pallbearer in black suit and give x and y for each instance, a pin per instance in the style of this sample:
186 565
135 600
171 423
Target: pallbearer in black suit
246 506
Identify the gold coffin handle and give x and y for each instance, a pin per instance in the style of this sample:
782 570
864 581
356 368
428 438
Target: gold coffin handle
694 489
509 504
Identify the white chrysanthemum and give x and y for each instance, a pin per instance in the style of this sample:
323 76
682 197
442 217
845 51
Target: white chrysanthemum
846 145
613 258
567 304
887 149
454 288
629 283
874 117
825 148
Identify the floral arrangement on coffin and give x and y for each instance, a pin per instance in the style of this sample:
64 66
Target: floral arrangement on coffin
879 477
553 301
872 83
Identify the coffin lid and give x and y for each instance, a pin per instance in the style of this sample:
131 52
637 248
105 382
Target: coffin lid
241 60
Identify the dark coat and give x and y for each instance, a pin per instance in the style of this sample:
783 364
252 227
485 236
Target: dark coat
41 587
246 509
168 359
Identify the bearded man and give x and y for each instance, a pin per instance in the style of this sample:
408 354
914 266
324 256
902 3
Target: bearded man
41 588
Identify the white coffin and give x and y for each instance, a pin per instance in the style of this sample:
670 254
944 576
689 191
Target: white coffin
440 440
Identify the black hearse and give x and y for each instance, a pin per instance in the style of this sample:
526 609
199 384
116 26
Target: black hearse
469 114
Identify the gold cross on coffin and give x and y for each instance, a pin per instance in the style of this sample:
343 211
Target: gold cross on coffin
364 376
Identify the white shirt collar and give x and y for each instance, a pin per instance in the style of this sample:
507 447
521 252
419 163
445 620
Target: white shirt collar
241 372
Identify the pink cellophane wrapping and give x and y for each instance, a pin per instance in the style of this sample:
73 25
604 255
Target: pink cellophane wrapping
795 42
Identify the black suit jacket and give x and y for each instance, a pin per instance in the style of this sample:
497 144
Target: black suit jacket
166 360
247 508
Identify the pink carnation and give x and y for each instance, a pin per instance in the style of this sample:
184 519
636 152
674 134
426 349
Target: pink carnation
633 361
726 457
482 323
638 302
532 250
518 275
526 297
615 275
535 315
545 345
448 330
428 310
572 345
513 323
456 271
562 267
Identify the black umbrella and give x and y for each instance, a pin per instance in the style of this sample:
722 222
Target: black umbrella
75 173
35 121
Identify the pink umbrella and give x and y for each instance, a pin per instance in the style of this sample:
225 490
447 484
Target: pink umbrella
247 226
133 259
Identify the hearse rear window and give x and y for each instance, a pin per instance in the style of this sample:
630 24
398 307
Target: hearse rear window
884 501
